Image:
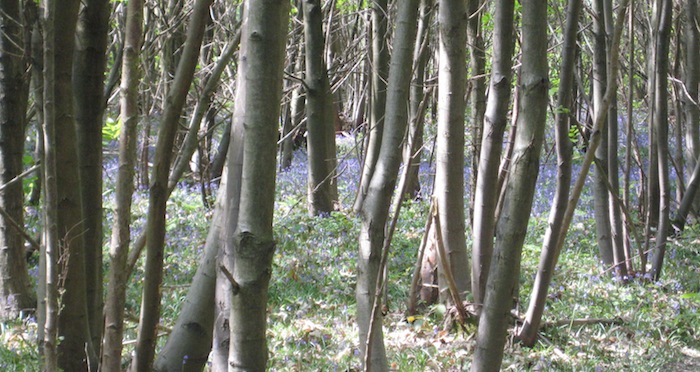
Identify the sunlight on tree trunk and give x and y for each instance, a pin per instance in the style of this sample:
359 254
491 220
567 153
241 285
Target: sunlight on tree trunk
520 188
495 121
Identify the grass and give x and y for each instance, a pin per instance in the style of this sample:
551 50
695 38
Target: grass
312 296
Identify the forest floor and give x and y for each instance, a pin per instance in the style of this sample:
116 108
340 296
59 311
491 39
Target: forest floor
312 326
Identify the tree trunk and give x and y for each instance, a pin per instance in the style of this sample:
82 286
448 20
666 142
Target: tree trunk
449 176
48 264
121 232
512 225
158 195
76 349
252 242
548 257
477 85
375 207
692 79
413 150
495 120
600 188
380 72
88 82
661 124
613 173
320 115
16 293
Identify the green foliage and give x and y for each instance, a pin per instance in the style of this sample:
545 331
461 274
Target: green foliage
111 129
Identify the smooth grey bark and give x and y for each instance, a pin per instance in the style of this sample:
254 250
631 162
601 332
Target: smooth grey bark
252 240
520 187
477 86
158 191
88 84
112 343
661 124
48 263
601 198
320 116
495 121
16 293
374 210
549 255
378 98
224 288
449 174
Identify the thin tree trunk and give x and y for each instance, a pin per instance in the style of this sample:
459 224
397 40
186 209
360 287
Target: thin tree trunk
375 207
413 150
661 123
477 60
50 252
495 120
600 190
692 79
251 238
158 195
548 257
121 232
320 115
449 177
512 225
378 86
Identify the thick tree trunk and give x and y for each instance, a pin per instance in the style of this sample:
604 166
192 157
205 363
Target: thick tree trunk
121 232
495 120
155 225
549 255
512 225
375 207
320 115
378 87
252 242
449 176
76 349
16 294
88 82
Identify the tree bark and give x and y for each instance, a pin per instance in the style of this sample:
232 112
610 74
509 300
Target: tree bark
661 124
495 120
549 254
477 86
375 207
76 351
16 294
320 116
121 232
378 85
158 192
512 225
449 176
252 241
88 83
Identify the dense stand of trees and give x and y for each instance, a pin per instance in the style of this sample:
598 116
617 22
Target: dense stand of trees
224 86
